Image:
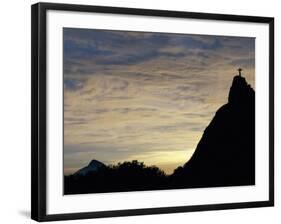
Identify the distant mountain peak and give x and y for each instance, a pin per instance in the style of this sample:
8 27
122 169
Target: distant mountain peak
95 163
93 166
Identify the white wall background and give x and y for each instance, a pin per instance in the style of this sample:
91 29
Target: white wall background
15 110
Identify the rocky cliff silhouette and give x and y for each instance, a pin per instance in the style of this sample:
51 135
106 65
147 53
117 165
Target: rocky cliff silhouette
225 155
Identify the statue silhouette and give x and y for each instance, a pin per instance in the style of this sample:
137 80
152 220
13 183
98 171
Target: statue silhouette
239 70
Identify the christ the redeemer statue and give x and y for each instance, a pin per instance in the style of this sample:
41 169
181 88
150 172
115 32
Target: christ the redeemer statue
239 70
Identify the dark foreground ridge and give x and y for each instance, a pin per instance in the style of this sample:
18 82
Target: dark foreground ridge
225 156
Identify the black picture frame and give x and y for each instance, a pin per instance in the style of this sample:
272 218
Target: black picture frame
39 122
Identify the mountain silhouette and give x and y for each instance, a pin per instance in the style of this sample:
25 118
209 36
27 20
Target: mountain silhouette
94 166
225 155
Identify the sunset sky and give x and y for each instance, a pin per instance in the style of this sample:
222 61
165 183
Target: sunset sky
144 96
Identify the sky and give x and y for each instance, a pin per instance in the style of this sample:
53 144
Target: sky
145 96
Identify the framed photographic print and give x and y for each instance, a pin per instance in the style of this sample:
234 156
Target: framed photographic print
138 111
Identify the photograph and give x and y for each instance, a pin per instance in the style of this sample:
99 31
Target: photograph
140 112
146 111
